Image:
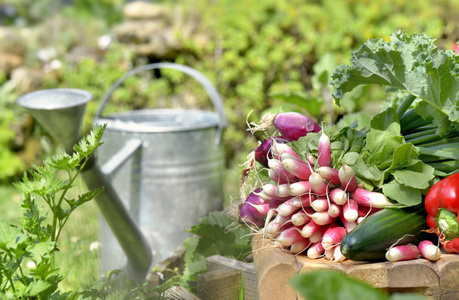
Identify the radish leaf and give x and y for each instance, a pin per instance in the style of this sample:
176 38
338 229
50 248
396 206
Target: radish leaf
410 63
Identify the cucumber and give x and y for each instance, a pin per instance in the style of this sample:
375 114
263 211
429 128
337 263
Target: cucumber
370 239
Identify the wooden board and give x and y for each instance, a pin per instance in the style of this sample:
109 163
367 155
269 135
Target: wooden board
223 279
275 267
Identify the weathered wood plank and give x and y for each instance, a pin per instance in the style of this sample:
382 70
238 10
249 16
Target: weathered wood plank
219 284
249 277
275 267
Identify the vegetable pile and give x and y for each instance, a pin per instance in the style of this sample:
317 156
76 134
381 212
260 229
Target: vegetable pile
341 192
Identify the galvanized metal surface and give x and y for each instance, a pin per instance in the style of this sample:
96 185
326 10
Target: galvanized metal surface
170 182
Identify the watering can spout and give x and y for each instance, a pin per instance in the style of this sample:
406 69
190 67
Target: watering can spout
60 112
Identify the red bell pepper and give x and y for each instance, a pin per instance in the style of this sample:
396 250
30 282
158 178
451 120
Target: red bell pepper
442 206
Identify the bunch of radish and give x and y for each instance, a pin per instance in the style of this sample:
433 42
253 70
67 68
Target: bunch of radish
307 206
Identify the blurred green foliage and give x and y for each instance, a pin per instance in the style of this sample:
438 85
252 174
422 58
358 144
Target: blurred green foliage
274 55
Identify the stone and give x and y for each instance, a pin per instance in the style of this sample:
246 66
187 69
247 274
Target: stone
26 79
137 10
9 62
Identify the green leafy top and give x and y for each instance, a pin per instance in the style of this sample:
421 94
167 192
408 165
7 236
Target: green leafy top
380 157
410 63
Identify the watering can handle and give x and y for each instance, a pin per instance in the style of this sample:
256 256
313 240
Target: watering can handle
205 83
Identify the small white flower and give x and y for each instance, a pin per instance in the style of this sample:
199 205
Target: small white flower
104 42
74 239
31 265
46 54
55 64
94 246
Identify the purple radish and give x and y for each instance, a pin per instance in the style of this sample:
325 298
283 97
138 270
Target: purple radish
292 125
249 214
264 151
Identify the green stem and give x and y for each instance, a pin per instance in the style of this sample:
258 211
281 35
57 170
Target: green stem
438 153
405 105
428 138
420 133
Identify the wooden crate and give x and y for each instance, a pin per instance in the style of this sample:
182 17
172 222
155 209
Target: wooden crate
275 267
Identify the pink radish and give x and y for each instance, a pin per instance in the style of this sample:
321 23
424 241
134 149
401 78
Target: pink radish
261 208
351 210
429 251
300 218
315 251
324 156
338 196
276 177
367 198
259 192
289 236
272 229
274 204
334 210
303 200
347 178
347 224
276 166
322 218
317 236
337 255
320 204
329 174
300 188
312 160
292 125
294 204
318 184
400 253
366 210
359 220
333 236
287 208
280 149
249 214
330 253
276 191
300 246
298 168
310 228
282 219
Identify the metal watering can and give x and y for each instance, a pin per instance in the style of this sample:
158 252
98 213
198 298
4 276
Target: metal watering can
161 168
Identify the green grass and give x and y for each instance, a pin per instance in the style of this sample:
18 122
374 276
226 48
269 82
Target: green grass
77 262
